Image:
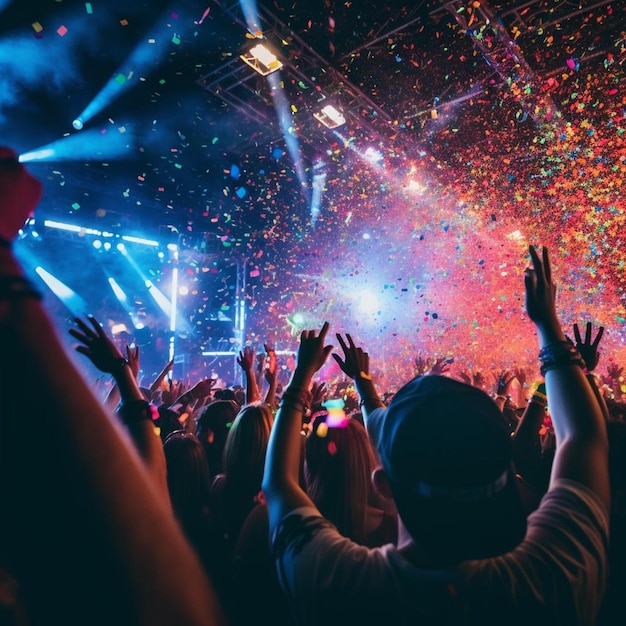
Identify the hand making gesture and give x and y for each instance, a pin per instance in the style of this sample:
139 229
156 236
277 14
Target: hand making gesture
588 349
355 361
97 346
312 353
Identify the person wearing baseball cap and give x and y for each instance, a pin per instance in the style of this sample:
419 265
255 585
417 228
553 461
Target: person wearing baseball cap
466 553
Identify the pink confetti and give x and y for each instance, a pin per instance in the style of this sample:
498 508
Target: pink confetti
61 31
206 12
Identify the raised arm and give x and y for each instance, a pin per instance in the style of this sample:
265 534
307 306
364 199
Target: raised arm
74 489
134 411
588 349
281 486
246 362
356 365
271 376
580 429
156 383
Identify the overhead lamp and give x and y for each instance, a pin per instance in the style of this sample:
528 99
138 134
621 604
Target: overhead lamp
261 60
330 116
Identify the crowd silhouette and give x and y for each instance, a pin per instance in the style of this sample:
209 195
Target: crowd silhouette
455 498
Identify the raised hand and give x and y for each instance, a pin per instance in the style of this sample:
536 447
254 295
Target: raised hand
270 372
478 380
246 359
521 376
203 388
312 353
354 361
318 390
540 291
421 365
588 349
504 379
132 356
96 345
465 377
440 367
614 371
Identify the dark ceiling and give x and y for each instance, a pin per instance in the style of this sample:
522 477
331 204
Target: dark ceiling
190 108
511 116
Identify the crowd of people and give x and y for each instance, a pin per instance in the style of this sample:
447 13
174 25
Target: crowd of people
466 498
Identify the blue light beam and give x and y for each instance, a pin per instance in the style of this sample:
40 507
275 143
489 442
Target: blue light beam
146 56
91 145
283 111
76 305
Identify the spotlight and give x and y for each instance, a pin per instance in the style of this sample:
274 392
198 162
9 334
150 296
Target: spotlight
97 244
107 245
330 116
261 60
78 124
121 247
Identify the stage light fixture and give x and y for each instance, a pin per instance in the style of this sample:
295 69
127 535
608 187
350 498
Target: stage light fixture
330 116
261 60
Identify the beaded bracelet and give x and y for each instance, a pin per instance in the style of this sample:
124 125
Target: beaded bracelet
559 354
298 395
14 287
295 405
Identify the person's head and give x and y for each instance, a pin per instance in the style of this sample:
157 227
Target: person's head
244 453
447 458
213 425
338 471
188 477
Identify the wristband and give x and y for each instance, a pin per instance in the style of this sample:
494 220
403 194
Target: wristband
364 399
559 354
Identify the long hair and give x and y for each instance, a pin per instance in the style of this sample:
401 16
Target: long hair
338 469
244 459
189 482
212 431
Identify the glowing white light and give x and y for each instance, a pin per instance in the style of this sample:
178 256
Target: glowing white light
368 302
183 291
373 156
298 318
330 116
97 244
262 60
37 155
73 228
77 123
366 236
116 329
117 290
416 187
145 242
